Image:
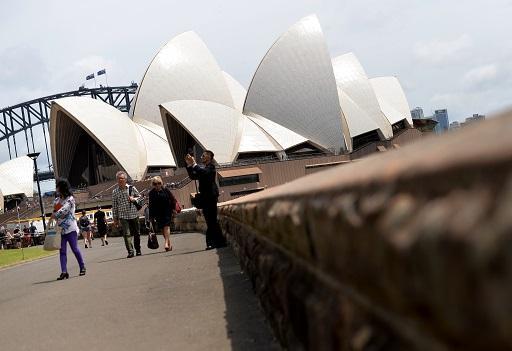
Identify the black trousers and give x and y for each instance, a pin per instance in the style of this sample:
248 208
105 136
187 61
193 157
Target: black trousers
131 228
213 232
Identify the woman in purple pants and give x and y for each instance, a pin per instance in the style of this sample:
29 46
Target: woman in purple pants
64 213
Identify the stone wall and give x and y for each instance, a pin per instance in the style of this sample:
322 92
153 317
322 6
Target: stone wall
189 221
405 250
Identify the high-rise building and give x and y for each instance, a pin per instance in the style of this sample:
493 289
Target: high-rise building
441 116
417 113
476 117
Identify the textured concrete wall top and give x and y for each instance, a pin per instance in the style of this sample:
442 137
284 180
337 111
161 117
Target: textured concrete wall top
423 233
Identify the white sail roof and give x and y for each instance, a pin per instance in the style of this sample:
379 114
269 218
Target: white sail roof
112 129
295 87
184 69
224 130
284 137
359 122
214 126
254 139
158 152
392 100
353 81
238 92
17 177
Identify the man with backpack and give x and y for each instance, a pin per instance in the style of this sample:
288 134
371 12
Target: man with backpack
125 210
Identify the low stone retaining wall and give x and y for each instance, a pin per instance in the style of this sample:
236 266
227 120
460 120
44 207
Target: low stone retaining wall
407 250
189 221
186 221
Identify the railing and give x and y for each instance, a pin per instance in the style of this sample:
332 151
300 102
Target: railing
24 117
264 160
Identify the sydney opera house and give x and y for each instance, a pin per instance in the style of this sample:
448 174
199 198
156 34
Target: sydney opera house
300 103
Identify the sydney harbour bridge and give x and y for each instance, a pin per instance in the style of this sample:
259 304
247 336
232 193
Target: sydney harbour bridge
28 121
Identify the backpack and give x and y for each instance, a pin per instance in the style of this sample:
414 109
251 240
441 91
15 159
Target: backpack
84 222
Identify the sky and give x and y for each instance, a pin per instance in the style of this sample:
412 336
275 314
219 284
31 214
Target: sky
447 54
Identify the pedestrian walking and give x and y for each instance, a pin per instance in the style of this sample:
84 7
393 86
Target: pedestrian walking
208 196
162 204
126 214
85 229
64 214
100 223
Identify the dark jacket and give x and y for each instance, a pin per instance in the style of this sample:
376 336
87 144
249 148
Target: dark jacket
161 203
206 176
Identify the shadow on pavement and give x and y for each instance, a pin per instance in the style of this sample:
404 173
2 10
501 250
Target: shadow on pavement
114 259
245 321
46 282
184 253
54 280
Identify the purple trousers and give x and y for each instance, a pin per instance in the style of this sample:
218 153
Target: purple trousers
72 239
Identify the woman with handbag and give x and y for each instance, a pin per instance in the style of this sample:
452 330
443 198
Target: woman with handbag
162 204
64 214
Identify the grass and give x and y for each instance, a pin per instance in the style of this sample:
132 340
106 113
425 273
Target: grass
14 256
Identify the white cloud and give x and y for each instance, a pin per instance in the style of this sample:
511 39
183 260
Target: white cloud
443 51
22 67
480 76
81 68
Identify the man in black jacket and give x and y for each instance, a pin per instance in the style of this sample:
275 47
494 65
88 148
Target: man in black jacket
209 193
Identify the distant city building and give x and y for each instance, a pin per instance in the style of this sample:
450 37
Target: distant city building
455 125
417 113
443 123
476 117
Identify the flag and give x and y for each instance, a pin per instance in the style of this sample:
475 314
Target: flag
103 71
90 76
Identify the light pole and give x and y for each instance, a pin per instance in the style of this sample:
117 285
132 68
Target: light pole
19 228
33 156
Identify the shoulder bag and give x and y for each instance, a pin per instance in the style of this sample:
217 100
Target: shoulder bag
52 237
136 203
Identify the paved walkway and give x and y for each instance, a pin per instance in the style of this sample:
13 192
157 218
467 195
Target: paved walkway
188 299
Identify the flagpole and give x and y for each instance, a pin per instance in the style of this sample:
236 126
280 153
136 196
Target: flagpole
106 77
95 81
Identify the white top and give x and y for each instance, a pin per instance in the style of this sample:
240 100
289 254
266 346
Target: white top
64 212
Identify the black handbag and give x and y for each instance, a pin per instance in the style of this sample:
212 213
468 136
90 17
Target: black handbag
198 201
152 238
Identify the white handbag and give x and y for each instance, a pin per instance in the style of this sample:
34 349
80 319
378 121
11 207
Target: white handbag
52 238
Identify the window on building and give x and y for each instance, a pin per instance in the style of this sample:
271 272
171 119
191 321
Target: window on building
246 192
241 179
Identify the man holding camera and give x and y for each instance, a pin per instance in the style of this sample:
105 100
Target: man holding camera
208 196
